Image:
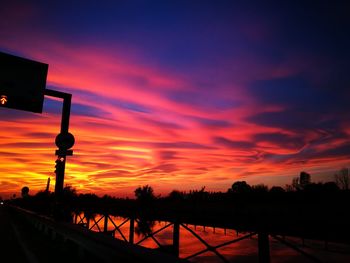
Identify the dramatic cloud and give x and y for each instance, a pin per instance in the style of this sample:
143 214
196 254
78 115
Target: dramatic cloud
180 94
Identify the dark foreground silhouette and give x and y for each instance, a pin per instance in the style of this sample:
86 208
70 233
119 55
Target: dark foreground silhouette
317 211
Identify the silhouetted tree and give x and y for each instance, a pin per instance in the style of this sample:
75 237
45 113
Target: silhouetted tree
88 198
107 197
44 201
342 179
295 184
198 195
240 187
260 188
330 188
145 197
42 195
25 191
314 188
299 183
69 193
144 194
304 179
289 188
277 190
176 195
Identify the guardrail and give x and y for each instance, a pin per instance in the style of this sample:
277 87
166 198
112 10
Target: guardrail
87 243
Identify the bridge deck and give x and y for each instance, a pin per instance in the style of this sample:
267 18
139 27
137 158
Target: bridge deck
10 243
27 237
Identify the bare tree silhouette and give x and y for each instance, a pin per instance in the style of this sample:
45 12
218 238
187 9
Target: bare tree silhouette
342 179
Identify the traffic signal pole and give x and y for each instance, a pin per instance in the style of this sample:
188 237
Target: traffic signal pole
23 87
64 139
67 98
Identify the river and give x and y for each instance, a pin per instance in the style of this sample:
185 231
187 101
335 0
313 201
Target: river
244 251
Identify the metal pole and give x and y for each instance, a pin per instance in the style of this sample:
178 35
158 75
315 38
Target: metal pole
64 141
61 165
62 153
66 113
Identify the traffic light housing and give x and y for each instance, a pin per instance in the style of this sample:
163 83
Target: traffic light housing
59 165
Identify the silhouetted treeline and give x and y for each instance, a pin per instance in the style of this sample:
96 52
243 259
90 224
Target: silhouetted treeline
239 194
302 208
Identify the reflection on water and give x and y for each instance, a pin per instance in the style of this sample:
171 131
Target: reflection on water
243 251
144 227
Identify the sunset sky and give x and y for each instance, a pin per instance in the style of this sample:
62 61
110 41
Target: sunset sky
180 94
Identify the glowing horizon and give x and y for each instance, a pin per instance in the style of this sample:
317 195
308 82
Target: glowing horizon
214 99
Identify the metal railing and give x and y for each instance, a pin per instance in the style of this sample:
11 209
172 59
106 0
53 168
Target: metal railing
263 238
102 247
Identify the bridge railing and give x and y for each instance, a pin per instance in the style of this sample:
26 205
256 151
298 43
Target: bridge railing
102 247
101 223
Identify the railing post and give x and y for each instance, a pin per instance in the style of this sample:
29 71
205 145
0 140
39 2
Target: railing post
176 239
105 225
131 230
88 222
264 247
